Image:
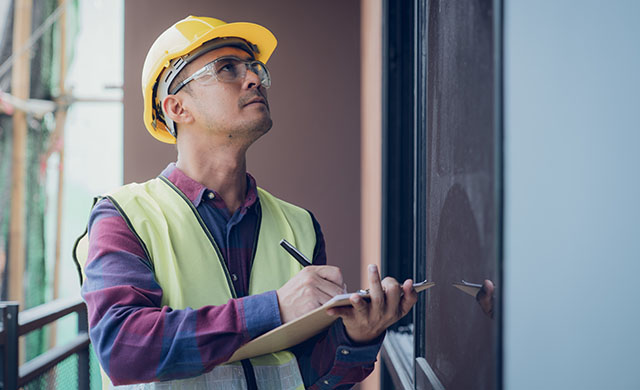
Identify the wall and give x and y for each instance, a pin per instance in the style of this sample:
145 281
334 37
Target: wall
311 157
572 254
371 144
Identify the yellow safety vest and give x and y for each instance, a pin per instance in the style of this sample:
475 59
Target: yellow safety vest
171 230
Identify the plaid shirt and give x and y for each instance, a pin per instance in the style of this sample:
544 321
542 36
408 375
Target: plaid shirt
139 340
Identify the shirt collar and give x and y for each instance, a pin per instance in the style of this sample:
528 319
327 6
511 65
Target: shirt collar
195 191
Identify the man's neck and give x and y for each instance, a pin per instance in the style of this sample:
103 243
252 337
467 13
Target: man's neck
223 170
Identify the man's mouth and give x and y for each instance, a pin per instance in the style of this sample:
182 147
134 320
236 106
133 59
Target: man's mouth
256 99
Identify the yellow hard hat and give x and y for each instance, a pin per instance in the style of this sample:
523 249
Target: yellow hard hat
181 44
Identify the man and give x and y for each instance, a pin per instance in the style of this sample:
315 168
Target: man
184 269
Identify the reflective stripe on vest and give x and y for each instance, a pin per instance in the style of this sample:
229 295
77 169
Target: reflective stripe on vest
171 230
231 377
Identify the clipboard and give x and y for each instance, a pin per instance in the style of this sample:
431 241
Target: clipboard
303 328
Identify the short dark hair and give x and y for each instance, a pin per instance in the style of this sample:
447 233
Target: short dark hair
180 77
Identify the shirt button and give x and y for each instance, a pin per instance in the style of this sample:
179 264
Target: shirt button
211 195
344 352
234 277
326 382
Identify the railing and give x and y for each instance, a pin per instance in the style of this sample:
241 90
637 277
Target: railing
14 325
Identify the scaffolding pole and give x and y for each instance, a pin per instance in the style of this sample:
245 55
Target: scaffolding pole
61 118
20 80
20 85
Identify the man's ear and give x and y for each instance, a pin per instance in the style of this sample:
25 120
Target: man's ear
174 108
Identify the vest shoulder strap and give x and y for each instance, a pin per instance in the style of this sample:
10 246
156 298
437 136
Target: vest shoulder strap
295 220
80 250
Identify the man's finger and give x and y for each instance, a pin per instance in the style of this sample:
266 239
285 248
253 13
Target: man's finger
344 312
375 289
326 289
393 293
360 307
329 273
322 294
322 280
409 298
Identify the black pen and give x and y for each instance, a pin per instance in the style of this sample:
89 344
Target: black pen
293 251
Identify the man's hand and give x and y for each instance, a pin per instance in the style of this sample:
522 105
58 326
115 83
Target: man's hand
365 321
308 290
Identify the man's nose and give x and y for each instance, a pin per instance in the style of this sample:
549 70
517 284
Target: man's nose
251 79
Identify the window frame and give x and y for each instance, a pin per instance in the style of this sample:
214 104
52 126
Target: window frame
398 89
404 165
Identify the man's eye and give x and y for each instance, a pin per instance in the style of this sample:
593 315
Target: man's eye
227 68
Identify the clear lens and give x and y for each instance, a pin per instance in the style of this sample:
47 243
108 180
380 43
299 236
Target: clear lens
231 69
261 70
206 75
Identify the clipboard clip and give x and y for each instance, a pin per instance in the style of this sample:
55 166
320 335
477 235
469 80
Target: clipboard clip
416 286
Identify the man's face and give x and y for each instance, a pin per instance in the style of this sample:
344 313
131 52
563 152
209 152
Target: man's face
237 109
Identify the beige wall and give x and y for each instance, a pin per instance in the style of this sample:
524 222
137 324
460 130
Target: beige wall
311 157
371 147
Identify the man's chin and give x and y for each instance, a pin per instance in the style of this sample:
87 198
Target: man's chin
267 126
261 127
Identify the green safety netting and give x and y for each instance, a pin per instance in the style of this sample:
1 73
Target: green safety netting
45 65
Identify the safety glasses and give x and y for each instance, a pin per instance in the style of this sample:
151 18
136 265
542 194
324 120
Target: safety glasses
227 70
